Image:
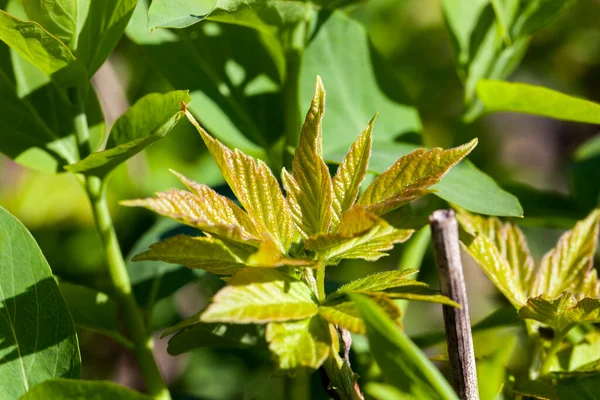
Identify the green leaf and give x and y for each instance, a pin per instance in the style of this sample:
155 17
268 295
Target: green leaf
256 14
38 336
409 177
198 335
364 236
82 390
90 308
297 344
344 313
402 363
58 18
146 122
256 188
499 96
261 295
104 25
340 53
43 50
207 253
569 265
351 173
309 190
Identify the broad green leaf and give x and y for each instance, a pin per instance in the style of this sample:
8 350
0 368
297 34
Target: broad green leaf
310 191
59 18
561 313
498 96
256 188
204 209
357 86
207 253
410 177
154 280
351 173
90 308
257 14
38 336
229 336
104 25
569 265
462 18
366 237
297 344
225 109
344 313
82 390
402 363
146 122
261 295
501 251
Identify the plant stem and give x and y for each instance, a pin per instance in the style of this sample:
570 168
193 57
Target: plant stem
321 282
82 133
117 269
549 356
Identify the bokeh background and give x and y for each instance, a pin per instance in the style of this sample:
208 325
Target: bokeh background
411 36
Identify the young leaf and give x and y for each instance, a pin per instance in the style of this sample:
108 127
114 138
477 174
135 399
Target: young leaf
82 390
310 189
204 209
295 344
256 188
499 96
261 295
344 313
268 255
401 361
568 264
59 18
409 178
207 253
104 25
501 250
147 121
38 337
350 174
43 50
366 237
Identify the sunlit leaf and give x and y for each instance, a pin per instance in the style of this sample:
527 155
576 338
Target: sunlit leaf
303 343
310 192
256 188
350 173
268 255
58 18
410 177
261 295
150 119
344 313
210 254
500 96
570 262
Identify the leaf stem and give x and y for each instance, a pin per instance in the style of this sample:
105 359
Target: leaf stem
321 282
549 356
143 343
82 133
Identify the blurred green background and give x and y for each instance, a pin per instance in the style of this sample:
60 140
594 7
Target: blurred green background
414 43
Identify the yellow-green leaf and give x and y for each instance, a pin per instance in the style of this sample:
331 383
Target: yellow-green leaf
204 209
268 255
256 188
344 313
210 254
409 177
310 189
352 241
568 264
296 344
350 173
256 295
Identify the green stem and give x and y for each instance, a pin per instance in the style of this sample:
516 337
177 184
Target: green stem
82 133
321 281
134 320
549 356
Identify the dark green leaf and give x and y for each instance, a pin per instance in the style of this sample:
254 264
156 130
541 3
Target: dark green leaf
400 360
38 336
340 54
146 122
62 389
